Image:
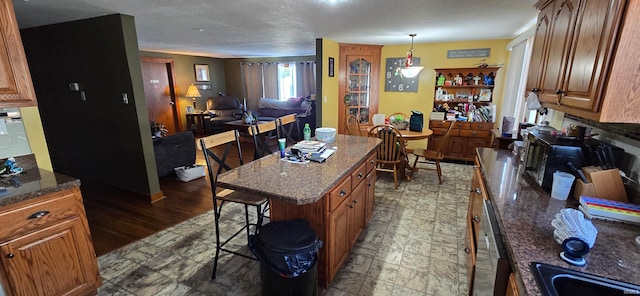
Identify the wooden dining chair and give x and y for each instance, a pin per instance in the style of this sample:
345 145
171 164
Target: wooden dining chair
214 157
261 134
285 125
353 125
391 153
433 156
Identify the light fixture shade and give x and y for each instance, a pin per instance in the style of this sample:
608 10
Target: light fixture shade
192 92
411 72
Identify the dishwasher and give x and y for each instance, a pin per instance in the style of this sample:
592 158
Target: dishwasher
492 264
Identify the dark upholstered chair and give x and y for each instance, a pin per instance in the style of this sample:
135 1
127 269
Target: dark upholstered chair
173 151
222 109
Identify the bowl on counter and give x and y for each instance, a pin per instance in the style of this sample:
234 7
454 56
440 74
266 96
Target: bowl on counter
326 134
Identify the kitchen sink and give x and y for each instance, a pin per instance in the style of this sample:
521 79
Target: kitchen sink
558 281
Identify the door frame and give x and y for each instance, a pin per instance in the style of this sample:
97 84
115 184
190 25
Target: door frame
172 87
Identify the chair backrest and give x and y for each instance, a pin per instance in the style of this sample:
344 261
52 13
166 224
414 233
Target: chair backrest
260 145
211 146
285 126
353 125
391 150
444 141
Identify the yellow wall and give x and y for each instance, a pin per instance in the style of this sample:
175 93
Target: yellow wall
35 134
329 98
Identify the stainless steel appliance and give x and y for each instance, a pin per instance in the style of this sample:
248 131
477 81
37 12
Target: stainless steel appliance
546 153
492 265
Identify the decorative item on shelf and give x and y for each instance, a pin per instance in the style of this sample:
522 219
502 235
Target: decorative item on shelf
193 93
158 130
441 80
409 69
248 118
488 79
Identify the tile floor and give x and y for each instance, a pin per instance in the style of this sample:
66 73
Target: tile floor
413 245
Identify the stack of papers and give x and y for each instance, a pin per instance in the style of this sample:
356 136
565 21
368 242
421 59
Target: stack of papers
609 209
307 147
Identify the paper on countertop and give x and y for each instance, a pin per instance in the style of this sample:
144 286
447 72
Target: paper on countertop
3 127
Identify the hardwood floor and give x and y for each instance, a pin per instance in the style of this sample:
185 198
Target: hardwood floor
118 217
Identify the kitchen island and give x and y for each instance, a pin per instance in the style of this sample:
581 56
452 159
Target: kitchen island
336 197
524 212
45 243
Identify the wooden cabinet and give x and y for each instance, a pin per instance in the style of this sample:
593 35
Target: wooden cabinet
474 219
458 87
512 288
581 62
16 88
464 139
338 228
46 247
359 77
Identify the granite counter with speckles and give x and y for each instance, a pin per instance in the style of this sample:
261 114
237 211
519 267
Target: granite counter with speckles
32 182
299 183
524 214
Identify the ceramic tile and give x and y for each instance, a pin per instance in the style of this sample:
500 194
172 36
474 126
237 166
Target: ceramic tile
413 245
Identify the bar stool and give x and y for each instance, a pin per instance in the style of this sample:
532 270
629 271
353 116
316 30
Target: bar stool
211 147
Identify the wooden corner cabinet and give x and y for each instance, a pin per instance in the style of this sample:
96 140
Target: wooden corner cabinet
583 60
16 87
359 77
46 248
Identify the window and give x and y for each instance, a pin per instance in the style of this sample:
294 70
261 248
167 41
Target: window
286 81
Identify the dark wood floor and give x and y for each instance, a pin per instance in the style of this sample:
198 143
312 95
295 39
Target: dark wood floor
119 217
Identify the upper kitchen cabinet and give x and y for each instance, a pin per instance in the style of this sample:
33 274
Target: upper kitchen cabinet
16 88
359 72
582 61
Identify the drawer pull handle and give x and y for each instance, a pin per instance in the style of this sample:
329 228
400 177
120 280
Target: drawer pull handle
467 250
351 206
360 176
355 201
37 215
342 193
476 218
10 255
372 162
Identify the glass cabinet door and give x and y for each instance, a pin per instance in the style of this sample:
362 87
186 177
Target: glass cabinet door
358 86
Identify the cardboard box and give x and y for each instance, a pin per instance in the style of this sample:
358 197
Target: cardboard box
605 184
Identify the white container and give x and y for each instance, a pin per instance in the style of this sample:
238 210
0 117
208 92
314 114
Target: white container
188 173
326 134
561 185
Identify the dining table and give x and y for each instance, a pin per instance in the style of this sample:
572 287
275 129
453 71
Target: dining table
408 135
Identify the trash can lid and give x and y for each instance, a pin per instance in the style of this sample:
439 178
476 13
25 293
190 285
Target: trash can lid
290 236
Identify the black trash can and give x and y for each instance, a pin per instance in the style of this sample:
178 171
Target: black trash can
288 253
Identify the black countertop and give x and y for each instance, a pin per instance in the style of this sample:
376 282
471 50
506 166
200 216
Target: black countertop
524 211
32 182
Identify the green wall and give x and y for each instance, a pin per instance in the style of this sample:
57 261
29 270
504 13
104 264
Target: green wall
102 138
185 75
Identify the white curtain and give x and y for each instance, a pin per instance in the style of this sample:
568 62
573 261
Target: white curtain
306 79
270 80
514 93
252 83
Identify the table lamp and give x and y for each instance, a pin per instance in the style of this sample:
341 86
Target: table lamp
192 92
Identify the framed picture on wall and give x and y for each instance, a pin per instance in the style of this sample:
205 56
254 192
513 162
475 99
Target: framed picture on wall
331 67
202 72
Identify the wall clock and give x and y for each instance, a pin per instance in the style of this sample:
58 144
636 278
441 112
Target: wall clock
394 81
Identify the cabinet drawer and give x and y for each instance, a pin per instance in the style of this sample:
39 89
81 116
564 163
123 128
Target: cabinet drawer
485 126
474 133
37 215
439 123
442 131
359 174
372 161
339 193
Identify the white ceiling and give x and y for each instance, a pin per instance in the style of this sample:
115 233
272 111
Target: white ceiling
259 28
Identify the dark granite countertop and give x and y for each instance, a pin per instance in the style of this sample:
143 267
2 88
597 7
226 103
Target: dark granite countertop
525 211
32 182
299 183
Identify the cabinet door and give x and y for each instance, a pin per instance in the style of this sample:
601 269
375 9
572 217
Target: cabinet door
590 51
470 259
475 202
564 19
370 198
16 88
457 147
357 211
536 68
53 261
473 143
340 243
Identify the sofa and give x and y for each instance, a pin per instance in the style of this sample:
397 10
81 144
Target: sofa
221 109
173 151
269 109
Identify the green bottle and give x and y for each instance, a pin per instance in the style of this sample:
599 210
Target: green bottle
306 131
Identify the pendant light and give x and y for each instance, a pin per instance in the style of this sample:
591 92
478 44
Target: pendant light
409 70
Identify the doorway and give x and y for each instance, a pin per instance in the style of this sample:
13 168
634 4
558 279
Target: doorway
159 90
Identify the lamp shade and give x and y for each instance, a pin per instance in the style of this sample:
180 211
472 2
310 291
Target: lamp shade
192 92
411 72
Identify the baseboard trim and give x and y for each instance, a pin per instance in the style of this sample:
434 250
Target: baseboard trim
157 196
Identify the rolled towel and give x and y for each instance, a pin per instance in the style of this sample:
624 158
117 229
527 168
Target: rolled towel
532 101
